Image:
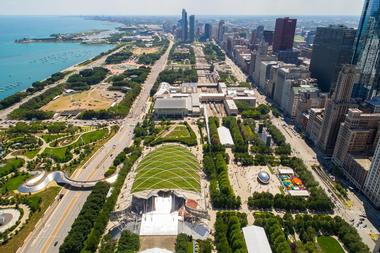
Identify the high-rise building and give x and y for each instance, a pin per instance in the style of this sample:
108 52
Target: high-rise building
337 107
221 30
192 28
367 51
284 34
184 28
372 182
208 32
370 14
356 142
332 48
268 37
310 37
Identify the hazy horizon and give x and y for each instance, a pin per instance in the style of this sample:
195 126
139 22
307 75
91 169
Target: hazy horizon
173 7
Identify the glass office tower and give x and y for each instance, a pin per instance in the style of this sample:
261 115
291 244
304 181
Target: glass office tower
367 51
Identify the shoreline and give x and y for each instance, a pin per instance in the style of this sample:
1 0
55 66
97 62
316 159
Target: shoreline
20 82
5 111
67 69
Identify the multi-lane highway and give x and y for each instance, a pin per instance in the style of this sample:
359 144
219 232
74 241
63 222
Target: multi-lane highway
52 229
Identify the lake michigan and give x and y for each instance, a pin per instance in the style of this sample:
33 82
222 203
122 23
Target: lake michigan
22 64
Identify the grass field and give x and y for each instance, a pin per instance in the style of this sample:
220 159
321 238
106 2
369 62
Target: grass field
168 167
51 137
8 166
47 197
180 131
13 183
31 153
329 244
59 154
97 98
148 50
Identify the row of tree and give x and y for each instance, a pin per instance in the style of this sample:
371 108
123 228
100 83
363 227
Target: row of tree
180 56
131 154
240 146
85 78
308 228
274 232
84 223
36 86
228 235
29 110
266 200
119 57
213 53
128 242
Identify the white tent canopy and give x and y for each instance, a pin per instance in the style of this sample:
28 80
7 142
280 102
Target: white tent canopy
256 240
225 136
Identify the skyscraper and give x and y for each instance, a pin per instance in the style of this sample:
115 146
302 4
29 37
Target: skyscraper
184 28
331 49
336 108
192 28
284 34
208 32
221 31
370 14
372 182
367 51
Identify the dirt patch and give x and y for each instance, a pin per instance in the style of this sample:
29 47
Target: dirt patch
162 242
97 98
145 50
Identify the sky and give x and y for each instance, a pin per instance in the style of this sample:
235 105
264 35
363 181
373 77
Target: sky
173 7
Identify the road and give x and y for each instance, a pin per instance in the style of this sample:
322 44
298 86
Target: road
4 113
301 149
57 224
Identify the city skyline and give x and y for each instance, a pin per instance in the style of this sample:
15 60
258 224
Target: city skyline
168 7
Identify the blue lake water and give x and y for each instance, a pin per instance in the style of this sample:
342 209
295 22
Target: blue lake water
22 64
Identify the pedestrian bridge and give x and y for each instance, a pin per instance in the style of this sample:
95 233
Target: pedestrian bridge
43 179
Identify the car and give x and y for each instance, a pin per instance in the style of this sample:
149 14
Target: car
55 244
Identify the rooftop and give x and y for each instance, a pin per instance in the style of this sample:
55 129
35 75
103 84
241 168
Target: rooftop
225 136
170 103
256 240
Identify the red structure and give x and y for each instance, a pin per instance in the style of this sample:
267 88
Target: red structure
284 34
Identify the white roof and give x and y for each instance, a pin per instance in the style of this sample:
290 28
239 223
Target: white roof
156 250
299 193
288 171
225 136
256 240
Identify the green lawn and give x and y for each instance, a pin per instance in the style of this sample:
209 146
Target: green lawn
328 244
180 131
51 137
59 154
47 197
13 183
168 167
8 166
31 153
